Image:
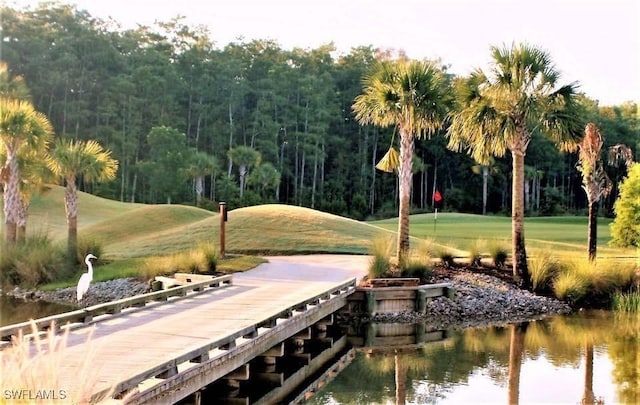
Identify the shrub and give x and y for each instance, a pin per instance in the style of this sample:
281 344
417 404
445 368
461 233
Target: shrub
380 251
34 262
543 268
624 228
88 245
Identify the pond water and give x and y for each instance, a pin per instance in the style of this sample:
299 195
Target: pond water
590 357
14 310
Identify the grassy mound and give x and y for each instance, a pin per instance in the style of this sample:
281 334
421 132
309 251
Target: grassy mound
127 230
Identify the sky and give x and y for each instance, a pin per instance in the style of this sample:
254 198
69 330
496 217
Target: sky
593 42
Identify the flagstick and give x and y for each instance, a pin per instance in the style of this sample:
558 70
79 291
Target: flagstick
435 219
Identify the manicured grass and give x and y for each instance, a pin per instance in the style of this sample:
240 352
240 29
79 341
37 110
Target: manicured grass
564 235
128 232
139 230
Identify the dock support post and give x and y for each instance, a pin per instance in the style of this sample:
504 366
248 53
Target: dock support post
421 301
371 302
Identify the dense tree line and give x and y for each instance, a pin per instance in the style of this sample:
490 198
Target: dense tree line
249 122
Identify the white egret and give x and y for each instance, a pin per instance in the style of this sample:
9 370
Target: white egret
85 279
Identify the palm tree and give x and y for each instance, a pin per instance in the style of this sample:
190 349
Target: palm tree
595 181
21 128
265 177
70 160
412 96
33 174
485 169
201 164
245 157
502 109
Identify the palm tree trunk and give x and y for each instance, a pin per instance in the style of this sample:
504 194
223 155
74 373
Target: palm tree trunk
588 398
485 176
593 230
519 252
23 214
11 197
243 173
516 348
401 379
71 208
404 176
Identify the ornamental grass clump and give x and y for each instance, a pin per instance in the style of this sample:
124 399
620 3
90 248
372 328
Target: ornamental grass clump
627 302
499 253
31 368
475 253
418 263
447 259
543 268
380 250
210 256
570 286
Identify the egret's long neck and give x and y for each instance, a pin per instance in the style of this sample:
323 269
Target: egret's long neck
90 267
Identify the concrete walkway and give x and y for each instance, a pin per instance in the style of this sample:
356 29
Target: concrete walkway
325 267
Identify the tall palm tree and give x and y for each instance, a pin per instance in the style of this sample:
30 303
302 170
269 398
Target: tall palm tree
595 181
70 160
21 127
502 109
412 96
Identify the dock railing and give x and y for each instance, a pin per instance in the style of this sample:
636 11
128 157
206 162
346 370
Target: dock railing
86 315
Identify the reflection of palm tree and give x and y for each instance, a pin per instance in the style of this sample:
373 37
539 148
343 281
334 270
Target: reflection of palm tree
587 396
516 348
401 379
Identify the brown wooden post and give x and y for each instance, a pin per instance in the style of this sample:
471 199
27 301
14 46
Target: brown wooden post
223 219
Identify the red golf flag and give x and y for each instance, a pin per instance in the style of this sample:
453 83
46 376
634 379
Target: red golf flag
437 197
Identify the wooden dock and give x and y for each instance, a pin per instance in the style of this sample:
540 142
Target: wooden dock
165 351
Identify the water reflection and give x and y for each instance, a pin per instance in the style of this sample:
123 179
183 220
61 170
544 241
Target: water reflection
14 310
589 358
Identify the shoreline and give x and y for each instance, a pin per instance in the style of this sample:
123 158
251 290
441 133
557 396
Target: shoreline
480 300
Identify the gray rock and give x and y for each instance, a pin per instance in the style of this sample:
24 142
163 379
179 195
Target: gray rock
480 299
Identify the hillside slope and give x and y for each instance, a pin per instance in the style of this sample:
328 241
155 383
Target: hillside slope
135 230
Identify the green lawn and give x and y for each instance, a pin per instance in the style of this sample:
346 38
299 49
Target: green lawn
130 232
565 234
